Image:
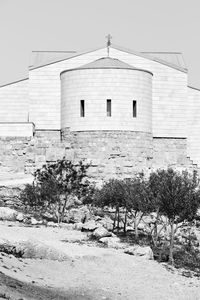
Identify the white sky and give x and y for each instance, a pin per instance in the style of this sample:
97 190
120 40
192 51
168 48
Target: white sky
140 25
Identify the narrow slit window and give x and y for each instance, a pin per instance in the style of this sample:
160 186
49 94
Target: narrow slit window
134 109
108 108
82 108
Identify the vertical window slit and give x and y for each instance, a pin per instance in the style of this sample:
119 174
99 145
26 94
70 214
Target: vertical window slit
108 107
134 109
82 108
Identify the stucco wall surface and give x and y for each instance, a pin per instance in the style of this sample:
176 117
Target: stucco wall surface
16 129
169 92
193 123
45 89
95 86
14 102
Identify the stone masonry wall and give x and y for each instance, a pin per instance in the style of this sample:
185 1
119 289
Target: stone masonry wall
22 155
171 152
111 154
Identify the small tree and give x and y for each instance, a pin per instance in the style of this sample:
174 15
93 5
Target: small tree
128 198
54 184
112 194
154 195
137 199
31 197
177 197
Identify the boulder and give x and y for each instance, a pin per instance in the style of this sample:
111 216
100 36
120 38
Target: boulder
48 216
6 246
130 250
77 215
35 249
78 226
101 232
112 242
33 221
72 201
141 226
27 220
52 224
10 196
8 214
41 222
66 226
20 217
129 228
148 219
90 226
145 252
107 223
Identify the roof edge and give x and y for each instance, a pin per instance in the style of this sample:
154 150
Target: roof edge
14 82
194 88
76 55
49 51
57 51
141 54
163 52
111 68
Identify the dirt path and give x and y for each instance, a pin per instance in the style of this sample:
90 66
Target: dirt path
90 273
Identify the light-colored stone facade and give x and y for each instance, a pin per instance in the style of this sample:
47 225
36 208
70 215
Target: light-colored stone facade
118 154
95 86
193 131
14 103
40 119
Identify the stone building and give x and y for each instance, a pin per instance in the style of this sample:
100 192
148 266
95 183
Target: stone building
123 112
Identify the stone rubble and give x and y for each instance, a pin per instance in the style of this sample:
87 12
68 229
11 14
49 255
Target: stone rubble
101 232
8 214
90 226
145 252
112 242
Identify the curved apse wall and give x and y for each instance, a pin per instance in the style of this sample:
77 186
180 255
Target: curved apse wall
95 87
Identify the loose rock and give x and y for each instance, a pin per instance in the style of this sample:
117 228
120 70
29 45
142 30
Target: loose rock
101 232
34 221
8 214
78 226
146 252
107 223
52 224
35 249
90 226
20 217
112 242
77 215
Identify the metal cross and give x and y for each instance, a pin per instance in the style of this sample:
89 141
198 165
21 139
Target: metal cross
108 37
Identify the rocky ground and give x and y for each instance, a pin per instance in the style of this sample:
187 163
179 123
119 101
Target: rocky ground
60 263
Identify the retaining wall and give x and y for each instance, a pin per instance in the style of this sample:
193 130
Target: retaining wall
111 153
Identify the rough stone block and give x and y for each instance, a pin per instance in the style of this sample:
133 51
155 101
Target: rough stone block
53 154
40 159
